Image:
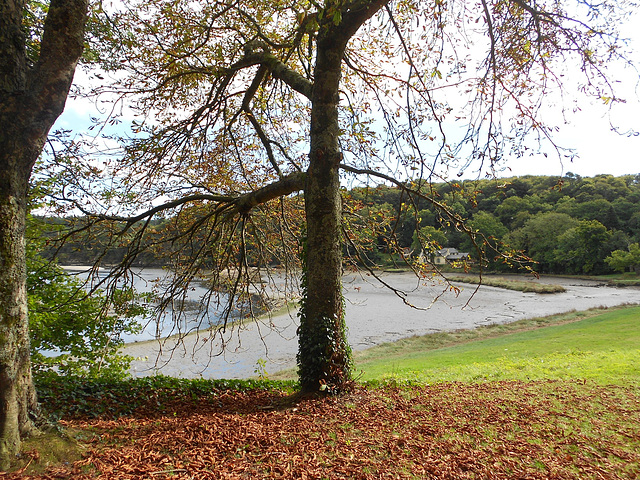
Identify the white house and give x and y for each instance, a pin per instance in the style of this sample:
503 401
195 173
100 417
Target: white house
449 255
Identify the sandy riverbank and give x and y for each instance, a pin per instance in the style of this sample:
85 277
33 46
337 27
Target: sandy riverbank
375 315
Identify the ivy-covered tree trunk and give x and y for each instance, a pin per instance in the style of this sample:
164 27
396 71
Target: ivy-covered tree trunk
31 99
324 355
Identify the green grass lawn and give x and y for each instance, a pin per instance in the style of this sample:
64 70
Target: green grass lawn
603 347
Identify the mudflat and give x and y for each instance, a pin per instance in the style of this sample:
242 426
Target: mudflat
375 314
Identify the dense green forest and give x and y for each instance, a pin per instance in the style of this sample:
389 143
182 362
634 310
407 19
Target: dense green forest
565 225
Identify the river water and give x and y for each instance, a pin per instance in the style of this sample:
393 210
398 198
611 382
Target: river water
203 307
375 314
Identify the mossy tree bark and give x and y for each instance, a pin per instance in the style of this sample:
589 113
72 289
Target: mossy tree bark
324 351
32 96
324 355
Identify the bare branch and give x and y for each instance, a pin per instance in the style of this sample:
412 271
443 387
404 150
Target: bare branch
286 186
266 143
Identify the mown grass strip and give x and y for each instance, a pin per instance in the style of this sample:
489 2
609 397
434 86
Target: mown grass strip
603 347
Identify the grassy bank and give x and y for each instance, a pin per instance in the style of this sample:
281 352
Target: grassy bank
603 346
495 280
627 279
506 283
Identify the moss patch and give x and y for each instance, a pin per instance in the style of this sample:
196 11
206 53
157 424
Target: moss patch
50 448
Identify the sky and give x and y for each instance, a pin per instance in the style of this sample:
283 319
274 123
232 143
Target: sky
598 149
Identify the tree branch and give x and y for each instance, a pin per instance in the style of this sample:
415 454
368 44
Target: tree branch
61 48
285 186
278 70
12 50
234 204
354 15
458 222
265 141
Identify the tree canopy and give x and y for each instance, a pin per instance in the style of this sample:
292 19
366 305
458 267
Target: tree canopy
621 260
234 127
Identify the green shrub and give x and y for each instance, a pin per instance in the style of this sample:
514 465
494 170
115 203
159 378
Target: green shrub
73 333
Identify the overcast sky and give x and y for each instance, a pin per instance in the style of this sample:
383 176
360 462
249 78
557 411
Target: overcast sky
589 131
599 149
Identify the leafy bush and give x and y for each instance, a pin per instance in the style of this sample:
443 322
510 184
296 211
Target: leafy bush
73 333
621 260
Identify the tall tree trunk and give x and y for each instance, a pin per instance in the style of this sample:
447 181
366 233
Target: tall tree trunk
324 355
18 403
31 99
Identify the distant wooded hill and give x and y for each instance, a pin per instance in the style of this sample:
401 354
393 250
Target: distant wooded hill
567 225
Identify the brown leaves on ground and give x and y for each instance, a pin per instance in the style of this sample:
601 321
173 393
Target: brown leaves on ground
545 430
